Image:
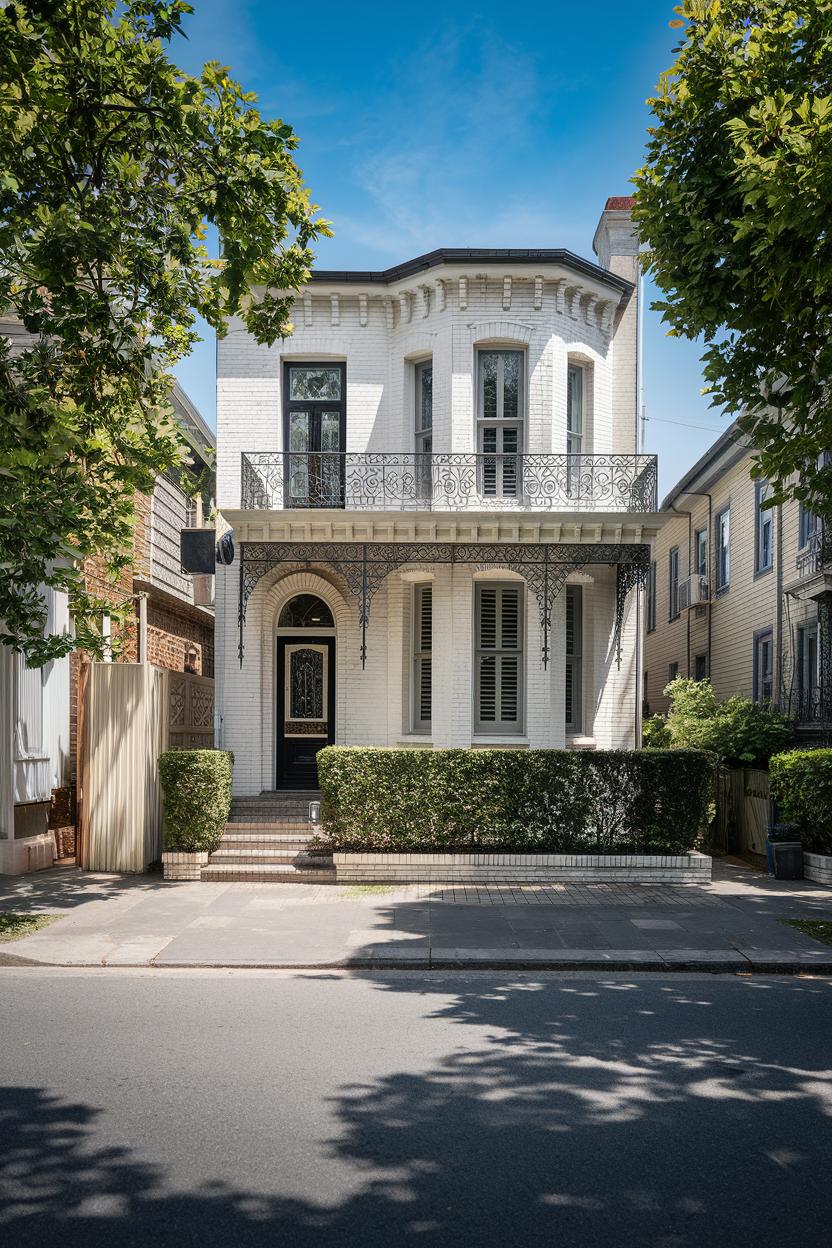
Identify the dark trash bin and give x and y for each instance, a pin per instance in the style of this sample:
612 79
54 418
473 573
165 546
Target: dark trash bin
777 832
788 860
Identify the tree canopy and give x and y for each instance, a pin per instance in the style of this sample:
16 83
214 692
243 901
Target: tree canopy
733 204
114 164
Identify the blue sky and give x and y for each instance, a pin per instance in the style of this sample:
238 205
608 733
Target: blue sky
428 125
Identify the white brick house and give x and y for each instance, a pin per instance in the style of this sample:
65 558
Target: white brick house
437 512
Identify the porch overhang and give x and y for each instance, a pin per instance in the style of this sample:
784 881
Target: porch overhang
526 528
363 552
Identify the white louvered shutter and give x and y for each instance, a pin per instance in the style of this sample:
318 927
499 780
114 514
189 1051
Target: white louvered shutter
499 658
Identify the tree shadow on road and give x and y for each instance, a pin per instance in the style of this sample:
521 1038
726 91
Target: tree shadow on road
564 1110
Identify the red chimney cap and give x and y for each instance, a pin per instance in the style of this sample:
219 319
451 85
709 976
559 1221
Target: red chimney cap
621 202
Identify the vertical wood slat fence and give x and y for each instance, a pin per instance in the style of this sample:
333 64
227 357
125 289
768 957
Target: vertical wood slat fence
743 810
128 714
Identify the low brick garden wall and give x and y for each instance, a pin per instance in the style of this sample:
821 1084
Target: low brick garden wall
369 868
818 867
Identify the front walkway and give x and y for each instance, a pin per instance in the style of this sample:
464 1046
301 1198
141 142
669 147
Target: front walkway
737 922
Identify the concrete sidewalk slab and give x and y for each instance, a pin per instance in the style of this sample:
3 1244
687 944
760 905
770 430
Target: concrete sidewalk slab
737 922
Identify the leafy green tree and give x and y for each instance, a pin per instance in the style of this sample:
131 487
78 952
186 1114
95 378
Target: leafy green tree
733 205
114 164
742 732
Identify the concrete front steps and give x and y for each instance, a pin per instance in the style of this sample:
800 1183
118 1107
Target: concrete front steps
266 840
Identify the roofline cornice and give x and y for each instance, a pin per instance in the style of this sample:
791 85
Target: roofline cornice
472 255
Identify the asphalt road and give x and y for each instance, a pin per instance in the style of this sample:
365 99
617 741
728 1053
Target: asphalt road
240 1108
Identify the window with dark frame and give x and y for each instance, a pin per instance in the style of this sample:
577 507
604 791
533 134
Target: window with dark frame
722 533
763 666
807 668
700 549
651 597
762 528
700 667
498 658
672 671
808 524
314 433
673 582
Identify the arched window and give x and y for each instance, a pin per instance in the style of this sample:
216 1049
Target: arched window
306 611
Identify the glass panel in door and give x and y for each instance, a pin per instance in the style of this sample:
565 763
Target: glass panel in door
329 465
300 438
305 693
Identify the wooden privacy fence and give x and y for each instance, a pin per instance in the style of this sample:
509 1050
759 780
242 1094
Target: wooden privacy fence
128 713
743 810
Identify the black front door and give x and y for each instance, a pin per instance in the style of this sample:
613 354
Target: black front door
305 707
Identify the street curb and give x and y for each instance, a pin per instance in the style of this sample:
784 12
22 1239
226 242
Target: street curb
503 962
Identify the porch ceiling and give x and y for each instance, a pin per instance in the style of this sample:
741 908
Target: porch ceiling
529 528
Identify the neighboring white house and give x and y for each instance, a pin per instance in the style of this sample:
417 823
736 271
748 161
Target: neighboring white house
436 511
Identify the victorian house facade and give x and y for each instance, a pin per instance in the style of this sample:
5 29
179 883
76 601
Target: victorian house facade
435 519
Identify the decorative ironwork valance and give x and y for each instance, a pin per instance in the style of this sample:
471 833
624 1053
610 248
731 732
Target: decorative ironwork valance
364 566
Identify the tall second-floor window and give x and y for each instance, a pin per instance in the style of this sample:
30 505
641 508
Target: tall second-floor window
722 533
762 528
424 407
574 410
423 434
808 525
700 552
673 582
500 408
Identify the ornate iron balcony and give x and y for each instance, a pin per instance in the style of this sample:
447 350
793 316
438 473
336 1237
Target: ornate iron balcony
408 481
816 555
813 707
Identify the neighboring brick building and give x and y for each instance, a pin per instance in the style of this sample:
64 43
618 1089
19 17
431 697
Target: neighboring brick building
171 624
739 593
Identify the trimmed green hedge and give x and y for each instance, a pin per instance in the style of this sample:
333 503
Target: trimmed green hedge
197 797
801 785
554 801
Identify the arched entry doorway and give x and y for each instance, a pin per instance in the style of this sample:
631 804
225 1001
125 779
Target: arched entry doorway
305 689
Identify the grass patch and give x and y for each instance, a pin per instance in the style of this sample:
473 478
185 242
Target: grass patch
820 929
364 890
16 926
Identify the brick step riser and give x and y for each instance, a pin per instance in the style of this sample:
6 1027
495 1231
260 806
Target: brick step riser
278 843
271 812
280 825
233 875
290 858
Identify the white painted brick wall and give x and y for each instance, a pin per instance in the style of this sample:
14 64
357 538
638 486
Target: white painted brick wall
373 705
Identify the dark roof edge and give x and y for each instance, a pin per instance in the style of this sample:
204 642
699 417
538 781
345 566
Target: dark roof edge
702 464
475 255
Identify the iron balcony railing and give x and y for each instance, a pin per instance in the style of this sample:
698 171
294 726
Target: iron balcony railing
813 707
816 555
382 481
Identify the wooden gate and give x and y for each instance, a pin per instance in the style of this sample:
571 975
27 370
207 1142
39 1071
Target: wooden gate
743 810
190 712
128 714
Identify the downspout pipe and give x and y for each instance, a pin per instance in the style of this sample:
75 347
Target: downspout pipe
699 494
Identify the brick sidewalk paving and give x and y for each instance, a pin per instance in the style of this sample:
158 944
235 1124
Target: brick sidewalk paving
738 921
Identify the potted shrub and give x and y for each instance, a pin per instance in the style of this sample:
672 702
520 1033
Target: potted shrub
196 788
